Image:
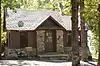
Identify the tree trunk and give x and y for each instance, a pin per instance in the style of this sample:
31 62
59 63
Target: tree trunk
4 21
0 30
85 51
75 46
99 35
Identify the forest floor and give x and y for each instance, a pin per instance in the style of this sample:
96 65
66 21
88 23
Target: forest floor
40 63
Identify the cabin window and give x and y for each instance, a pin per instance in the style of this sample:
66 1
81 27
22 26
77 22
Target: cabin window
23 39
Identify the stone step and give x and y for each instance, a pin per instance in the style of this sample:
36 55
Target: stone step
53 57
55 60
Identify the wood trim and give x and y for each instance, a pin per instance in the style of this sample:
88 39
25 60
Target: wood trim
8 38
54 39
35 39
65 39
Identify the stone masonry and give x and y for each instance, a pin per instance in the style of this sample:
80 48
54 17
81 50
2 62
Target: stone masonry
60 46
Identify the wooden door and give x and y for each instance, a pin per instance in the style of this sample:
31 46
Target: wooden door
49 45
23 39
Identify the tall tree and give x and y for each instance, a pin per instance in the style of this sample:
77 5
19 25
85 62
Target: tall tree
4 19
99 34
0 29
85 50
75 46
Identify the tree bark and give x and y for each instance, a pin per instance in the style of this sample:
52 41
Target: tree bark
0 29
85 50
99 35
4 21
75 46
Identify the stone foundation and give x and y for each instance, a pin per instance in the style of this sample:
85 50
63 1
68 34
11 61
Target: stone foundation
40 42
16 53
31 52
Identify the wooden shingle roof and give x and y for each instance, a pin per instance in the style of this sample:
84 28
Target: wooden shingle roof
32 19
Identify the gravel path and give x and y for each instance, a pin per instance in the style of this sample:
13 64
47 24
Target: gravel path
38 63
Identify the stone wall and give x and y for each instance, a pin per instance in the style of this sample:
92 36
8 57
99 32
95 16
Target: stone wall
16 53
28 52
60 45
40 41
68 50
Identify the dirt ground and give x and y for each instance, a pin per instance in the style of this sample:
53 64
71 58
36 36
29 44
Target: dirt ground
40 63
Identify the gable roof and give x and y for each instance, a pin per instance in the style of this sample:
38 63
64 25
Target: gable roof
50 23
32 19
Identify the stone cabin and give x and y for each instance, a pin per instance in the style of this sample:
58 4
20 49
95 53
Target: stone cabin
42 31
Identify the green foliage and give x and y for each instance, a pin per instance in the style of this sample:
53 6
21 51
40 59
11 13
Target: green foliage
63 6
5 4
3 36
91 13
9 3
91 16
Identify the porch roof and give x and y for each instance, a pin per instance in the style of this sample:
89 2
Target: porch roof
32 19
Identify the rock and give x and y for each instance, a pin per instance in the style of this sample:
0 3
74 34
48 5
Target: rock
60 48
11 55
28 49
67 49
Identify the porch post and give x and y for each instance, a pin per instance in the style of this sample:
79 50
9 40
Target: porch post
60 45
40 42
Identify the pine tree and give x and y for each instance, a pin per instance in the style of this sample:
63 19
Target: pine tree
0 29
85 49
75 46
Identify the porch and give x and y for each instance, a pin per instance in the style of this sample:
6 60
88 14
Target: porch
42 43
